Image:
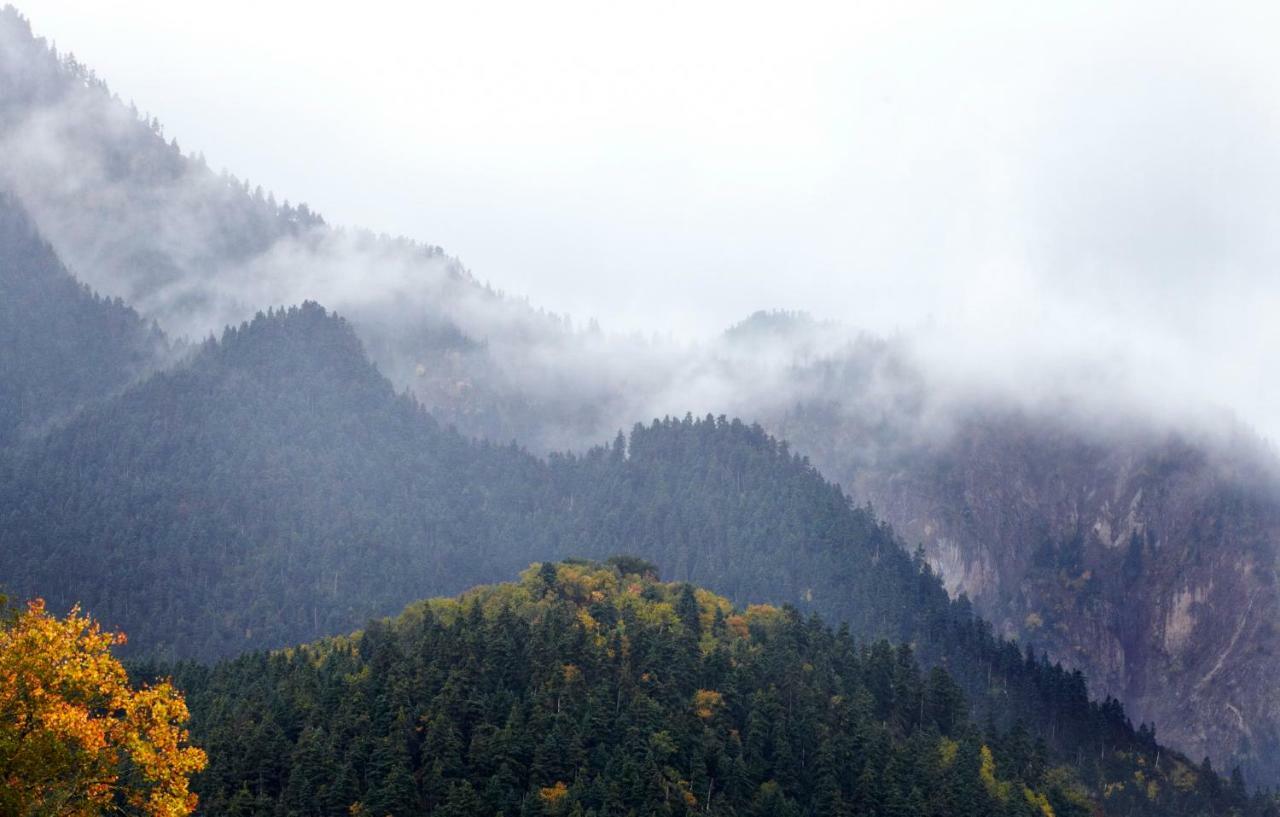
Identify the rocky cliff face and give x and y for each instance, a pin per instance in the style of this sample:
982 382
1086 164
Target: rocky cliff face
1148 561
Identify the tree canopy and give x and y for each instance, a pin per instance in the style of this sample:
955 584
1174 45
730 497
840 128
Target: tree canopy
76 739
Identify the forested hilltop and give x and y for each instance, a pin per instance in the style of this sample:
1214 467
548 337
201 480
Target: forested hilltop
588 689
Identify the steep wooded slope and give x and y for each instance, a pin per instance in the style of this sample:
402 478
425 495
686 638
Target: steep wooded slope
136 217
61 345
1146 559
282 472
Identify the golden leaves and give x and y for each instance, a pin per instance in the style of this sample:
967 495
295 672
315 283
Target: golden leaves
74 735
554 797
572 675
706 703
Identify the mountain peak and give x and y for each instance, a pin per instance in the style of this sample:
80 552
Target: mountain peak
296 343
763 324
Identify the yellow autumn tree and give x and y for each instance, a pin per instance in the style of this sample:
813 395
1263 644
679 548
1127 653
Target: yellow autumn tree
76 740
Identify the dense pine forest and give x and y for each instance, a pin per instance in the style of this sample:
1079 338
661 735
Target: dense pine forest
589 689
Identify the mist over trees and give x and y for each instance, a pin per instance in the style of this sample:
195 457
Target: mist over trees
61 345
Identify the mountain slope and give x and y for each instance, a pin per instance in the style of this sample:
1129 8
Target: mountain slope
61 345
280 470
276 478
1138 548
1147 559
587 689
275 488
196 250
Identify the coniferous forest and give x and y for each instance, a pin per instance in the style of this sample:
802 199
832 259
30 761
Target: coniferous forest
590 688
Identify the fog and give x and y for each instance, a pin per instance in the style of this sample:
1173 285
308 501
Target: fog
1071 203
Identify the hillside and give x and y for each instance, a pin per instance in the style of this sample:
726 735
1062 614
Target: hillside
61 345
1145 558
196 249
274 484
591 689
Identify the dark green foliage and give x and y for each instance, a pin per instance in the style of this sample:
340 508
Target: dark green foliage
273 490
276 489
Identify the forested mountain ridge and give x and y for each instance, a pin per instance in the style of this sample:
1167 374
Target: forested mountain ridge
589 689
61 345
195 250
251 528
280 468
276 468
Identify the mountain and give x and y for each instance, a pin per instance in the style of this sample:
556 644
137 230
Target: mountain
61 345
1144 557
595 689
275 487
1137 548
274 483
1139 553
195 250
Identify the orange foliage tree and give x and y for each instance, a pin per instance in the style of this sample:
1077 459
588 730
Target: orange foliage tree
75 738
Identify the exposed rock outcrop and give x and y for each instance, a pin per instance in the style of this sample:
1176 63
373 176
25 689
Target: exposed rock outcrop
1147 561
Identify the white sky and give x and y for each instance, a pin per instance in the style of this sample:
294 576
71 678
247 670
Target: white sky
1060 177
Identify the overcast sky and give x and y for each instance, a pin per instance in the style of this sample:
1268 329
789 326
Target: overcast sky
1074 180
